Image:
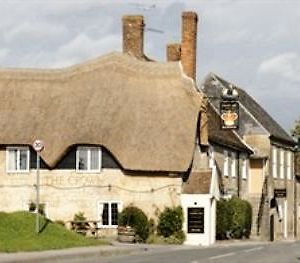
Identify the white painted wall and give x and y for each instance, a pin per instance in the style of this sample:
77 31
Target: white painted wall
208 203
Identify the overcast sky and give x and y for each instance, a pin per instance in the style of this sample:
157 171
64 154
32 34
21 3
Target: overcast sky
254 44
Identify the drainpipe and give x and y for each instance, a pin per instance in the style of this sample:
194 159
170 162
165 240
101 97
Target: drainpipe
239 175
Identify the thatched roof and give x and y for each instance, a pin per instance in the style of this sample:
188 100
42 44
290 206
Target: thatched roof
145 113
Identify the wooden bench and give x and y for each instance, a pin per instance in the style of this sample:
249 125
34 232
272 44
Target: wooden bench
87 227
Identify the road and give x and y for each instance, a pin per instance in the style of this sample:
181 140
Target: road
283 252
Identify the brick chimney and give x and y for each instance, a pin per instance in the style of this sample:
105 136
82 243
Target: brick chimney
189 43
133 35
173 52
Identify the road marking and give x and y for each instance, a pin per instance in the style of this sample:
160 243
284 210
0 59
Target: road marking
223 255
253 249
194 261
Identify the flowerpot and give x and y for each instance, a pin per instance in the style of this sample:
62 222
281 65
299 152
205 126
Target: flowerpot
126 234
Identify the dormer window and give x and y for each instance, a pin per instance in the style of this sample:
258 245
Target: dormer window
88 159
17 159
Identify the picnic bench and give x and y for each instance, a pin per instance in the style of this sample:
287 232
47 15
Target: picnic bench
86 227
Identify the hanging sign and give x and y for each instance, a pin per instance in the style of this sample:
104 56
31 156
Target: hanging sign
280 193
229 111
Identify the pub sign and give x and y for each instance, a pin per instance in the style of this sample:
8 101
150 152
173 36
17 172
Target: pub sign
229 111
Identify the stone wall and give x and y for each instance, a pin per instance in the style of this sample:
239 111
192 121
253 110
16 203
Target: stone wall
66 192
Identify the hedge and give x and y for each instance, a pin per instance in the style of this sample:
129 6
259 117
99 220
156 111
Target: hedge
234 217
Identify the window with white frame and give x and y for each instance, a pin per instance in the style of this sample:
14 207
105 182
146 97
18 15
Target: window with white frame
281 164
289 165
211 157
88 159
244 167
233 164
274 162
108 213
17 159
226 164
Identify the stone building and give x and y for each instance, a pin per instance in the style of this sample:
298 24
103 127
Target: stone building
271 178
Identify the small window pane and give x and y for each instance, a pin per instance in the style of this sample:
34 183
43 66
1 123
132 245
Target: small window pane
23 160
94 159
12 159
105 220
82 159
114 214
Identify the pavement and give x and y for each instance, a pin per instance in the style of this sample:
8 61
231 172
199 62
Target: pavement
114 249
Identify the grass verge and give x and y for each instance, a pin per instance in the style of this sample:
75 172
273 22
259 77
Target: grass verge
17 233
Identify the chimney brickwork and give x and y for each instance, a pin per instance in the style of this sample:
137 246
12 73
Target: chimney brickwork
189 43
133 35
173 52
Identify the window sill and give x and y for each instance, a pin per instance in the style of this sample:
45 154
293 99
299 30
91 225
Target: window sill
88 171
108 226
18 172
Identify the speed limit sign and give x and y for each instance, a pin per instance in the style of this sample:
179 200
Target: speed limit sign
38 145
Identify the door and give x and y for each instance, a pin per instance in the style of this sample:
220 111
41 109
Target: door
256 176
272 228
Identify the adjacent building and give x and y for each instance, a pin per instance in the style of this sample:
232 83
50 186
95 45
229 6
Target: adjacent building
271 178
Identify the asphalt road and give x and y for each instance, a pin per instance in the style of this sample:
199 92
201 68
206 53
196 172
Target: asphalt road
283 252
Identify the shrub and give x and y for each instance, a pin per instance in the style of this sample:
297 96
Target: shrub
170 223
234 218
79 219
224 219
136 218
241 218
32 208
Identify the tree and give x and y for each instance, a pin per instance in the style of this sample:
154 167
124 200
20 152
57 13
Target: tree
296 129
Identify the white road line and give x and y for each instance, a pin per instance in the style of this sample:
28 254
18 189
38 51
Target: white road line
194 261
253 249
223 255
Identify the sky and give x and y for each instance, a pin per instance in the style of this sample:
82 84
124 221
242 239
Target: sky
253 43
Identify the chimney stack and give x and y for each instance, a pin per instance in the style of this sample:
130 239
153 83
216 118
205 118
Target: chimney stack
133 35
173 52
189 43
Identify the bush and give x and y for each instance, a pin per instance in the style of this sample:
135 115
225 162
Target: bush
170 224
79 219
136 218
224 219
234 218
32 208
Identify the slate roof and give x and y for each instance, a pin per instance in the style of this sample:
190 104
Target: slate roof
144 113
270 125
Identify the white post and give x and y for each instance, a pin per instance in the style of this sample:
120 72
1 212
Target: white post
38 146
37 225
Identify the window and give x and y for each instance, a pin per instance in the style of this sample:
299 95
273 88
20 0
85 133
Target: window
211 157
289 165
274 162
108 213
233 164
17 159
226 164
88 159
244 168
281 164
